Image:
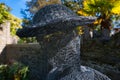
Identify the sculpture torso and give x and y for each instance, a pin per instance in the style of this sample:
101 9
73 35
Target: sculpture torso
66 61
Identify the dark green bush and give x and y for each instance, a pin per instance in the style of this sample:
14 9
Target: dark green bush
16 71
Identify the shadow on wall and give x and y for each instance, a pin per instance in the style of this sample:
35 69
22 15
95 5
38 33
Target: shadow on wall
2 55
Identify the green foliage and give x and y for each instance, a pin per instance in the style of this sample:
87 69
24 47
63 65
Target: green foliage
16 71
4 12
100 8
15 23
27 40
35 5
5 15
75 6
103 9
3 70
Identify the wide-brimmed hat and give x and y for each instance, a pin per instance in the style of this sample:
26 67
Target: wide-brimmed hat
52 18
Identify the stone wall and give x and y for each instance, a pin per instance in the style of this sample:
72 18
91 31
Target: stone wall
5 33
15 51
5 37
29 55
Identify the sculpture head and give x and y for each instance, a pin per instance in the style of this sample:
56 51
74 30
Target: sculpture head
54 18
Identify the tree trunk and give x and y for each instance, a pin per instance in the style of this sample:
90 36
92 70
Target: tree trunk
105 30
86 35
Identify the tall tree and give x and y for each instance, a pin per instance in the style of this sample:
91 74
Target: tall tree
5 15
73 5
104 10
35 5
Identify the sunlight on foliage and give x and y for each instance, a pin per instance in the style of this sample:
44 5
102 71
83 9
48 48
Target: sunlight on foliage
16 71
116 9
105 10
79 30
80 12
15 24
92 7
6 16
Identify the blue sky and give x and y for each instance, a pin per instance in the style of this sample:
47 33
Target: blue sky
16 6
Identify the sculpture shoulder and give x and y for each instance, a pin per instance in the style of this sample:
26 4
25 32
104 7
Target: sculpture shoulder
86 73
97 75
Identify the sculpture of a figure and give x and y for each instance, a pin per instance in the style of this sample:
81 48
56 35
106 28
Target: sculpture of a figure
54 27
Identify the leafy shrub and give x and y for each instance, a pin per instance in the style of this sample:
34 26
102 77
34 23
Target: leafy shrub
16 71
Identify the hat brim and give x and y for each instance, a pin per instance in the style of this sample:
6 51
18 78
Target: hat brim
52 26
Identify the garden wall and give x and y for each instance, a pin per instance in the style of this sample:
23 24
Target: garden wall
15 51
27 54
